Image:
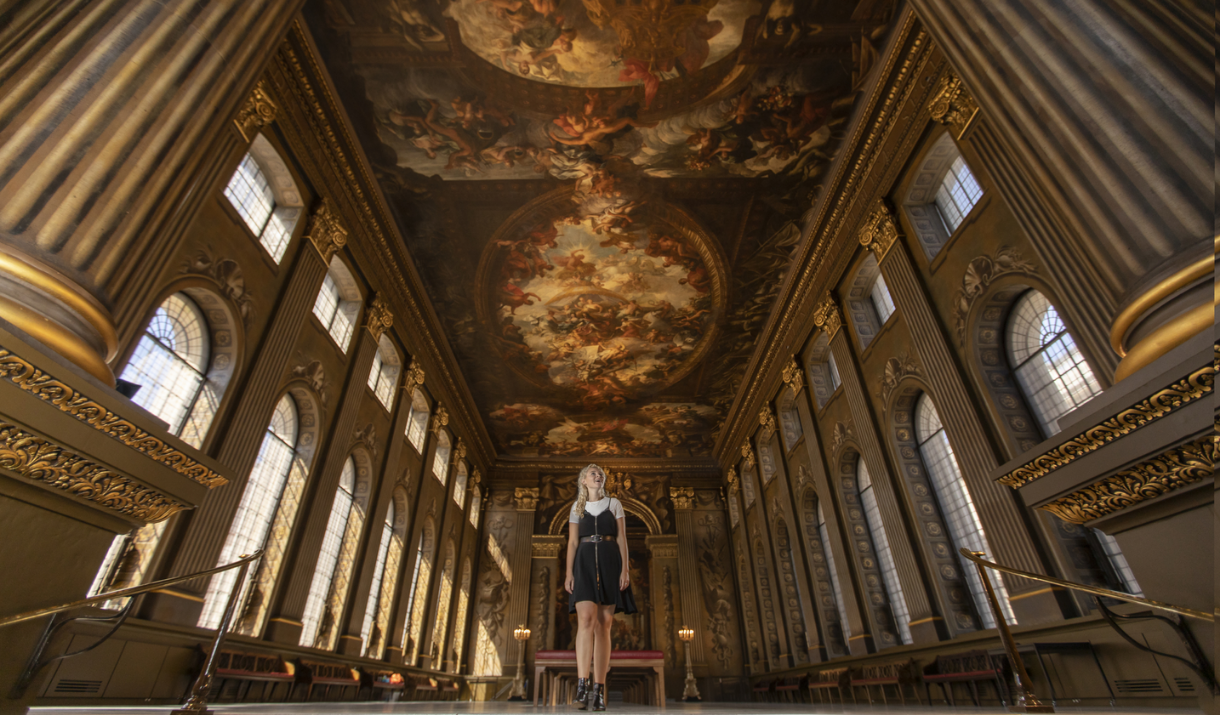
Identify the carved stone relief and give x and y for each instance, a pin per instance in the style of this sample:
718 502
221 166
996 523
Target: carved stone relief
979 275
228 277
712 546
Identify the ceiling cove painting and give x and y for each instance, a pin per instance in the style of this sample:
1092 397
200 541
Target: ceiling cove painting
601 196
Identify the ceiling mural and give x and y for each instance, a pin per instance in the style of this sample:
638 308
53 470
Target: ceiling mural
601 196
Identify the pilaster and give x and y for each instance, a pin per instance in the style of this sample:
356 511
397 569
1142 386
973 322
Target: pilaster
525 500
688 578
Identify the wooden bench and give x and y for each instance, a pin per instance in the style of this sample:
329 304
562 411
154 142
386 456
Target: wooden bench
789 689
550 666
828 682
313 673
427 689
971 667
896 673
381 684
246 667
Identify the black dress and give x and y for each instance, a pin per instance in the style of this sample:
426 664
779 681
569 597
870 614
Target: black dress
598 565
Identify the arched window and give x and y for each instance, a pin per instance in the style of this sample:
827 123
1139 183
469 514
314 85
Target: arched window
824 535
259 502
766 460
440 462
383 377
747 484
965 527
823 372
170 365
380 607
459 485
941 194
1050 368
265 196
338 304
881 544
882 302
476 504
459 626
958 193
444 597
328 558
375 594
868 302
417 420
421 579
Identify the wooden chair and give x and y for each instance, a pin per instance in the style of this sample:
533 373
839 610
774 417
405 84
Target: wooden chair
828 682
971 667
896 673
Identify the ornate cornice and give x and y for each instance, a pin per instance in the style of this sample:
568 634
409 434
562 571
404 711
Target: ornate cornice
794 377
58 467
827 316
1174 469
47 388
379 318
953 105
525 498
1199 384
766 418
326 232
256 113
879 232
684 497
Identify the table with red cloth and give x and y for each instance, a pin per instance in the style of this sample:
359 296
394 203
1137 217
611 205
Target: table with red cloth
552 667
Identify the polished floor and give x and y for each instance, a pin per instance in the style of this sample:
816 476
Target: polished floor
498 708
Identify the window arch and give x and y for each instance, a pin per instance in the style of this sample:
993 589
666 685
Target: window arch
1050 368
965 526
263 495
421 578
833 636
440 461
823 372
789 419
881 545
417 420
383 377
264 194
840 605
371 610
337 306
444 597
336 557
459 626
476 504
459 485
942 194
868 301
378 625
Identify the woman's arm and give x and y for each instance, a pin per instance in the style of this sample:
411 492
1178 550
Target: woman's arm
624 579
573 541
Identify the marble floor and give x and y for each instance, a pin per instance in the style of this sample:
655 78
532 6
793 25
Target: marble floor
499 708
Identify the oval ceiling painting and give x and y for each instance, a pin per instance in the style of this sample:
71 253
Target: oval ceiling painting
600 297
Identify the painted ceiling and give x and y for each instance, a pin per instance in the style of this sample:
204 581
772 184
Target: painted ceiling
600 196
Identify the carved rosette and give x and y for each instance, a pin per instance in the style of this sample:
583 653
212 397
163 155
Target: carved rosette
879 231
440 420
326 232
766 418
379 318
827 316
684 497
794 378
257 112
953 105
525 498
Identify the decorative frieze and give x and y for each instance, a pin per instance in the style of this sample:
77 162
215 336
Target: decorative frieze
326 232
257 112
952 105
378 317
879 232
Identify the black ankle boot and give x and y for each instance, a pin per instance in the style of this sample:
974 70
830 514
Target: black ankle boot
582 693
598 696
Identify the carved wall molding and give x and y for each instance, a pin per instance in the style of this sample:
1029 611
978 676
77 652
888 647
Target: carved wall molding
766 418
315 375
1181 466
415 375
378 317
841 434
827 316
952 105
257 112
747 453
794 377
228 277
731 478
1198 385
43 461
440 420
459 452
326 231
981 273
525 498
879 232
684 497
47 388
548 547
896 369
367 436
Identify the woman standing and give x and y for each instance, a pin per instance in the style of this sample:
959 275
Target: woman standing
598 581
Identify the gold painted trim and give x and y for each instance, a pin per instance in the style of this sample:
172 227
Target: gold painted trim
1168 336
42 461
288 621
46 387
929 619
1162 290
856 638
1039 592
178 594
58 338
1197 385
62 289
352 638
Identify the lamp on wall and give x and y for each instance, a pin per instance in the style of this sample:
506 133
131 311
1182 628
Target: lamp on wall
522 634
691 692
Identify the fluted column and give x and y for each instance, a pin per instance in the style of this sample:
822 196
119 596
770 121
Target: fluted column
758 539
1001 515
525 499
688 572
754 647
102 104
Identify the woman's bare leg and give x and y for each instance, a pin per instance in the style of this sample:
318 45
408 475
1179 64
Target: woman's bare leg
586 628
601 647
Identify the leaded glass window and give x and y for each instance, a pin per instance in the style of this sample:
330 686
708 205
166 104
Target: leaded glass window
170 365
840 605
1049 366
372 608
440 461
880 297
417 420
889 570
252 197
959 192
383 377
328 556
337 315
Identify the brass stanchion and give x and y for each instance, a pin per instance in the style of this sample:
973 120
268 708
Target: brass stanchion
522 634
691 692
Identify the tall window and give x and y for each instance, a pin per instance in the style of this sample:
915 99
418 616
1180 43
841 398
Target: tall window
965 527
372 608
459 627
251 194
1050 368
444 597
421 579
338 305
459 485
790 420
383 377
252 522
889 571
823 372
440 462
170 365
882 302
328 558
824 535
417 420
959 192
1109 546
476 503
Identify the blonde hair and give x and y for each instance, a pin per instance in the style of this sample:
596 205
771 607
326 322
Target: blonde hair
582 492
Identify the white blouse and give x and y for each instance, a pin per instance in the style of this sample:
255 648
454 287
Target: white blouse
597 507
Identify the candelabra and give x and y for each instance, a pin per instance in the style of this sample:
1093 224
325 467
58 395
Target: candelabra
522 634
691 692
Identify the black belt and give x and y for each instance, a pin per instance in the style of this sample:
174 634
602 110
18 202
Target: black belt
595 538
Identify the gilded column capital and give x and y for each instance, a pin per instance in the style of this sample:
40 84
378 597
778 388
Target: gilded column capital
684 497
766 418
415 375
952 104
378 317
879 231
731 477
326 232
827 316
476 477
793 376
525 498
257 112
548 547
747 453
459 452
440 420
662 546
